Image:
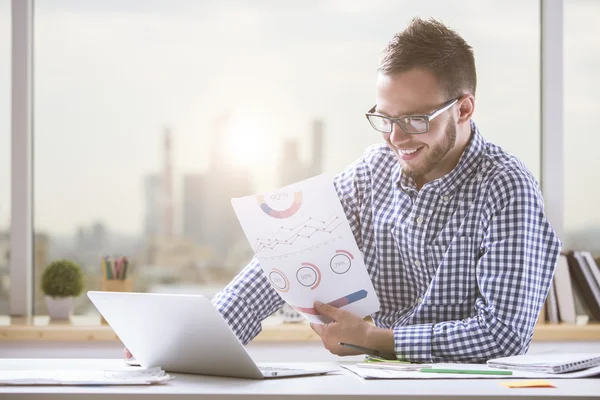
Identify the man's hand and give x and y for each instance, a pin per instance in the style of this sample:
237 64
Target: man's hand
345 328
126 354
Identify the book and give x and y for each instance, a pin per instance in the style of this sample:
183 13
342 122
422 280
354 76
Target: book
584 315
542 317
552 306
592 266
564 291
584 279
551 363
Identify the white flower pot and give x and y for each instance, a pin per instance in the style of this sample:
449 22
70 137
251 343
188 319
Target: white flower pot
59 307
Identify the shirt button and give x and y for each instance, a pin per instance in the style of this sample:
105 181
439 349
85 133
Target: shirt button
445 198
418 263
420 220
419 300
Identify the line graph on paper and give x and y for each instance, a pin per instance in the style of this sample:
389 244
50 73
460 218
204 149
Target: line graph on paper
309 234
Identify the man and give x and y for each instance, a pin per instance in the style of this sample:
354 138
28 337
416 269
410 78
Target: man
452 228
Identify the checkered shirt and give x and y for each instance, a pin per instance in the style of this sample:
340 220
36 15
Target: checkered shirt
461 267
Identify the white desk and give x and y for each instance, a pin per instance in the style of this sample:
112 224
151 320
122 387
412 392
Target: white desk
339 386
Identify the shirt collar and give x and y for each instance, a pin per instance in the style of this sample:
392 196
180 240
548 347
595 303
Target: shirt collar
449 183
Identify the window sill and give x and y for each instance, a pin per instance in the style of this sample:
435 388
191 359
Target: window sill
88 328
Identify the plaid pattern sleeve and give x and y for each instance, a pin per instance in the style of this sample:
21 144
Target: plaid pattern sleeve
246 301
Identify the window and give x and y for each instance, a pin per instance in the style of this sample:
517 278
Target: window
5 143
581 141
150 116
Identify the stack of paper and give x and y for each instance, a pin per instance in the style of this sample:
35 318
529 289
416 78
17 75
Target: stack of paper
551 363
141 376
415 373
480 372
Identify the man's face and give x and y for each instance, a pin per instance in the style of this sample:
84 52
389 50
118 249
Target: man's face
416 92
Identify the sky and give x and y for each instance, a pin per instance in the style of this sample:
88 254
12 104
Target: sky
110 75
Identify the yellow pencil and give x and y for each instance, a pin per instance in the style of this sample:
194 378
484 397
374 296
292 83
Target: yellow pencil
103 268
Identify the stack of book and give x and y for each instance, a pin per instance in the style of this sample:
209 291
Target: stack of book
574 295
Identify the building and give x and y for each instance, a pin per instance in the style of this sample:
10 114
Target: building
291 167
172 261
40 261
208 217
317 147
193 204
158 195
153 195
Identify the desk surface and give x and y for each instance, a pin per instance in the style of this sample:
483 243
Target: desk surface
340 385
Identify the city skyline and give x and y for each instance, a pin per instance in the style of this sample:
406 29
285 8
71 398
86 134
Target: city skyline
135 67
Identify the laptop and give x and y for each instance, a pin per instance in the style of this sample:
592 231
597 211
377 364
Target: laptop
182 333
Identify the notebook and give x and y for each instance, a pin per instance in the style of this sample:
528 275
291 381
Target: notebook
552 363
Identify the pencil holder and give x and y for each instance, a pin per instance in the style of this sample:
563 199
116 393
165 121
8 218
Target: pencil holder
115 285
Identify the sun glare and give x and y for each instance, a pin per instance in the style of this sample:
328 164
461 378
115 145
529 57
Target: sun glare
246 143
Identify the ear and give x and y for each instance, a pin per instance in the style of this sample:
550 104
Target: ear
466 107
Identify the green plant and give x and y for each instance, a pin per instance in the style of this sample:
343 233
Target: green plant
62 278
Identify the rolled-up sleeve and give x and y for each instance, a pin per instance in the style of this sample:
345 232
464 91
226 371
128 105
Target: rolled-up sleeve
246 301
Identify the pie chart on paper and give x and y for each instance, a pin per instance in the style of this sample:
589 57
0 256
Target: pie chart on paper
280 214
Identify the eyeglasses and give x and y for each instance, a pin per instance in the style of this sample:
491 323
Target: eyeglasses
412 124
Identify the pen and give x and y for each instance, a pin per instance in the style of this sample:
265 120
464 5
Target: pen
371 352
466 371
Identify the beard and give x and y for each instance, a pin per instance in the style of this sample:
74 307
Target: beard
436 154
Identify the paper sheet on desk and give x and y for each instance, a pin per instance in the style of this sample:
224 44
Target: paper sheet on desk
303 241
142 376
390 374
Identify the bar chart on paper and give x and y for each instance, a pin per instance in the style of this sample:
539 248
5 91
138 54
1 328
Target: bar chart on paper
302 239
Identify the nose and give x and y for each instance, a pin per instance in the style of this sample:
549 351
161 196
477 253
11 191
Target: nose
398 135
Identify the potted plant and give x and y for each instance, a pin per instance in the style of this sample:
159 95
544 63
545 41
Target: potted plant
61 281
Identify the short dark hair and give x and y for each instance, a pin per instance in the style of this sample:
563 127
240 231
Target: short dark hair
433 46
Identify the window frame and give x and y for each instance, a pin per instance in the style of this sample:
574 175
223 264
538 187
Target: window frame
21 231
21 226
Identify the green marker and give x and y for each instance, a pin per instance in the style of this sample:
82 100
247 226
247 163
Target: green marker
466 371
372 359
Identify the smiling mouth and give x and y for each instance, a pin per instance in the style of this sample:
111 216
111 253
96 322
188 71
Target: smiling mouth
407 152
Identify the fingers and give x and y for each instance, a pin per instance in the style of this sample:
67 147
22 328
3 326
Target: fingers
318 328
329 311
343 351
127 354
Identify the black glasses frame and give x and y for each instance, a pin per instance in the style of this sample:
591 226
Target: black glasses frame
403 121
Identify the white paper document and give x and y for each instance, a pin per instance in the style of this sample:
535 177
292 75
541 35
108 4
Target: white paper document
303 241
371 373
141 376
